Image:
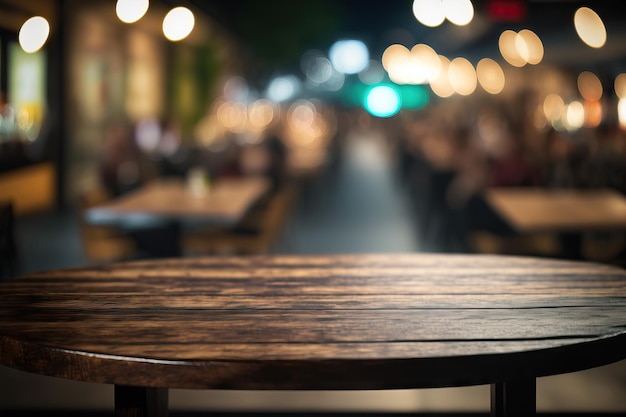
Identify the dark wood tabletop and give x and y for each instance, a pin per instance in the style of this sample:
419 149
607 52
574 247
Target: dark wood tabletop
317 322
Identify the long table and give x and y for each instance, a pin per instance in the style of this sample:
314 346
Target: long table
157 213
534 209
336 322
224 202
587 223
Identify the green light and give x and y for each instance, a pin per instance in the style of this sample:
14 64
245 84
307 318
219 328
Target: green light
383 101
414 97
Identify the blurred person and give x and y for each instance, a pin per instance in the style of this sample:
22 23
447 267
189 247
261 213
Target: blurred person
512 168
559 169
604 163
119 167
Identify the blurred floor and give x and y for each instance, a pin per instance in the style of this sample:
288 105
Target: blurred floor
360 208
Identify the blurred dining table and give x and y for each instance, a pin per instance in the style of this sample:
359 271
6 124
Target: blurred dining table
537 209
170 204
566 213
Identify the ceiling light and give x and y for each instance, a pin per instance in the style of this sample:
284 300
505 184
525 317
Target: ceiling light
130 11
34 34
178 23
590 27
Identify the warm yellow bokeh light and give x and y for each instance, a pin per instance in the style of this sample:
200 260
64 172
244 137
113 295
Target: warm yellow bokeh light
620 86
261 113
401 73
459 12
490 76
441 85
130 11
621 112
553 107
519 49
590 27
532 46
430 13
306 127
593 113
232 115
508 48
574 115
589 86
426 65
394 53
34 34
178 23
462 76
417 66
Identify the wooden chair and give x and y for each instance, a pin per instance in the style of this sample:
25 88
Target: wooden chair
8 245
102 244
255 234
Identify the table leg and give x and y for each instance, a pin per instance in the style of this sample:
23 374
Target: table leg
158 241
140 401
514 398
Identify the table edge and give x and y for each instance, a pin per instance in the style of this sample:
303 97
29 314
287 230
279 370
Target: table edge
312 374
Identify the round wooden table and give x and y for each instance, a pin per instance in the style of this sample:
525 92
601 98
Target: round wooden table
316 322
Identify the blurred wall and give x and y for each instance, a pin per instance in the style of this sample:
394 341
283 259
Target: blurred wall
119 74
105 76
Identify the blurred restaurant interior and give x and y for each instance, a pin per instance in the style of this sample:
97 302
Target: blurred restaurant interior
489 126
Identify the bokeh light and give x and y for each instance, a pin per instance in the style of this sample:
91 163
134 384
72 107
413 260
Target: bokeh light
459 12
34 34
462 76
433 13
383 101
553 107
399 63
593 113
178 24
130 11
430 13
531 45
426 65
261 113
621 112
590 27
316 67
417 66
509 50
233 116
589 86
393 54
620 85
349 56
490 76
441 85
283 88
574 115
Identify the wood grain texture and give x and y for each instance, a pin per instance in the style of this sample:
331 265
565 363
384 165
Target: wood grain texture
315 322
